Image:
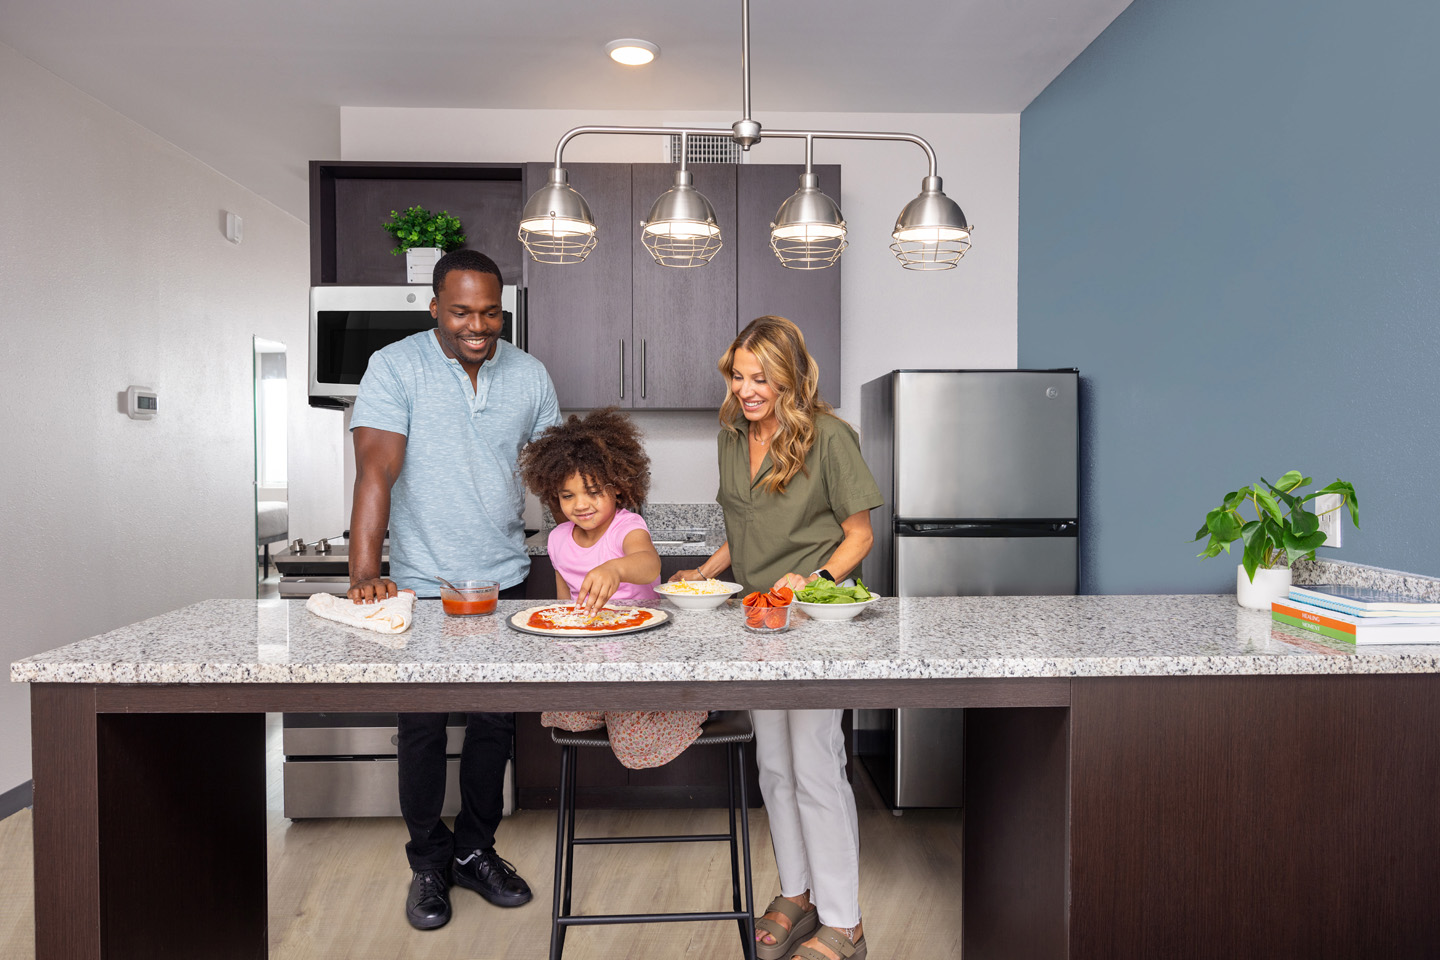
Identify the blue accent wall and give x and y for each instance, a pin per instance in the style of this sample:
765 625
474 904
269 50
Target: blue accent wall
1230 222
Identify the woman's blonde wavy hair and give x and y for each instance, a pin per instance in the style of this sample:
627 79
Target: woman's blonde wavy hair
794 376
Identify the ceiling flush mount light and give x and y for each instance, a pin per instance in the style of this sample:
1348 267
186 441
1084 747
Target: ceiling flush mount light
632 52
808 232
556 225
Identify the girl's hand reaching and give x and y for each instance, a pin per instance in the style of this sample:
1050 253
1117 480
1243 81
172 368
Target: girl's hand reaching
598 587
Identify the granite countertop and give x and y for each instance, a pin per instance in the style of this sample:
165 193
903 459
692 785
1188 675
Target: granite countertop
276 641
703 523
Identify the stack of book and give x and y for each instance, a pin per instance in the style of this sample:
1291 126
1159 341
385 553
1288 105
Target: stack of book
1359 614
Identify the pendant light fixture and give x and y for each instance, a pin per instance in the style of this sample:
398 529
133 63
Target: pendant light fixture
808 232
681 230
931 232
556 225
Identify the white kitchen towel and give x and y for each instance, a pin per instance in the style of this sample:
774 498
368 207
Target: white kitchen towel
388 616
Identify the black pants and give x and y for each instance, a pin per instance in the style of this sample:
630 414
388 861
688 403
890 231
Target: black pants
421 756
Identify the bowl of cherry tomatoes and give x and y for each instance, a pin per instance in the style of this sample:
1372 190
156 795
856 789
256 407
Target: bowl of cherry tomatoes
768 612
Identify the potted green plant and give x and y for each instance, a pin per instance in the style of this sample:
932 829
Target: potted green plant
423 237
1284 530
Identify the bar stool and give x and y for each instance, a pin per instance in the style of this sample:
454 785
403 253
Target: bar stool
731 729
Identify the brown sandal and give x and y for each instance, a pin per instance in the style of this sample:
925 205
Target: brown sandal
836 941
802 922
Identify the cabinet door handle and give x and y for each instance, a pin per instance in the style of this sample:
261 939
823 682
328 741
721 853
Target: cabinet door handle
522 317
644 368
622 369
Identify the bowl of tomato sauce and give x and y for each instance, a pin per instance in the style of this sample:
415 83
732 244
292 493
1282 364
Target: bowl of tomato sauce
470 598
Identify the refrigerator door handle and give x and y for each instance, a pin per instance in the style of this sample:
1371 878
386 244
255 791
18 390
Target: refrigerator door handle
987 528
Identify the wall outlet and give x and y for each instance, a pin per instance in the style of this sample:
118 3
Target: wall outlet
1329 508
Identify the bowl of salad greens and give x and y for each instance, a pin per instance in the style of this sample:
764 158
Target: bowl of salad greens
825 600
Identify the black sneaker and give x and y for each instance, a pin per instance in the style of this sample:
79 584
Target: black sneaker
493 878
428 905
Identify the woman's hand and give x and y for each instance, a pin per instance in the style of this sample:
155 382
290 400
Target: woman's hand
794 581
686 575
598 587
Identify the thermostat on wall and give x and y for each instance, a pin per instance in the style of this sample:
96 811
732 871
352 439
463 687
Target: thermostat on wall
140 403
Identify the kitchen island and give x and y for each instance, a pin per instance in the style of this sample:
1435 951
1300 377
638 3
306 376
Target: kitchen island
1146 776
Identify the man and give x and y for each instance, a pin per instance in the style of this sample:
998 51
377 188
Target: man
439 421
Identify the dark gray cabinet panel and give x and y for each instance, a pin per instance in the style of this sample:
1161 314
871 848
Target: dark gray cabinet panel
684 319
809 297
488 210
619 315
578 314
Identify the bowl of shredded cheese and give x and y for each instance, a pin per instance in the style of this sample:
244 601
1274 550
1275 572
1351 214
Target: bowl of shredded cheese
698 594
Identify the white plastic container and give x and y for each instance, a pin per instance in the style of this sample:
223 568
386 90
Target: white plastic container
420 264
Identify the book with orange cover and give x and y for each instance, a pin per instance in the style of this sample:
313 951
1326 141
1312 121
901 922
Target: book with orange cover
1358 630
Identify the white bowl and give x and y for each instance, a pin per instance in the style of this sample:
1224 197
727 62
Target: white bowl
698 601
835 611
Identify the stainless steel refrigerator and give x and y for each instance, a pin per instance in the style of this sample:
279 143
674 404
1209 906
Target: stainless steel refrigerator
979 469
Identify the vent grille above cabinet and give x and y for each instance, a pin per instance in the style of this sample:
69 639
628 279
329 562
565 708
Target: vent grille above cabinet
706 148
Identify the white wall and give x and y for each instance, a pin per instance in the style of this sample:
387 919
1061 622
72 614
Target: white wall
115 271
891 317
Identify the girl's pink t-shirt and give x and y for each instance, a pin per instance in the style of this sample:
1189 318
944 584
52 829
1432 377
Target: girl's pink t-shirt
573 561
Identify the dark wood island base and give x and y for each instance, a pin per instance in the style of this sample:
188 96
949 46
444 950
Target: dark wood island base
1144 817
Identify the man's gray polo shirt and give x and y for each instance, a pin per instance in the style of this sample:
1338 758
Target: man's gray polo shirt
455 509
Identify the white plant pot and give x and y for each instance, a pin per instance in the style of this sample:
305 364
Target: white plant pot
420 263
1269 585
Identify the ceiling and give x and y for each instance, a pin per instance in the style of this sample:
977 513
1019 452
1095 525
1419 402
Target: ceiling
254 88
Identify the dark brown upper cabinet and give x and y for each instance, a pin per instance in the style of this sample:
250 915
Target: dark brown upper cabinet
679 320
763 287
349 200
578 314
683 318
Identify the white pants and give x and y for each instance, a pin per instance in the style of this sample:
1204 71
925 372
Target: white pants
813 827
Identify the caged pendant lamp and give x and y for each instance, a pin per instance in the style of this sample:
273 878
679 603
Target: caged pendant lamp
556 225
808 232
931 232
681 230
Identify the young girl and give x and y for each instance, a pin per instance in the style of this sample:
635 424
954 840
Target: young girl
594 472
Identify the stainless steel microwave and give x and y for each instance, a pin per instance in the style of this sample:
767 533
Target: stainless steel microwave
348 324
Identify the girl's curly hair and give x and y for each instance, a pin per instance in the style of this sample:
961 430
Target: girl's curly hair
603 447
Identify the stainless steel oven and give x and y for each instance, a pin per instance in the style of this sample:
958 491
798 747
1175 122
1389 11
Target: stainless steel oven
343 765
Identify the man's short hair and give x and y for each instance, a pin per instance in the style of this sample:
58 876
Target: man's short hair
465 259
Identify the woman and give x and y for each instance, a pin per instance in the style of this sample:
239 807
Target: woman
797 498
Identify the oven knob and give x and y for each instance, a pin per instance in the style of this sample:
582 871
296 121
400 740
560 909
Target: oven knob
297 546
394 739
322 546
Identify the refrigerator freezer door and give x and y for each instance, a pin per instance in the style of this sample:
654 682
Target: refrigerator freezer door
986 566
985 445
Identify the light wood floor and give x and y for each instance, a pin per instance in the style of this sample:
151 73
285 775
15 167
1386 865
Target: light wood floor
337 887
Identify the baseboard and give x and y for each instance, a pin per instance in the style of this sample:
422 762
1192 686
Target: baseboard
16 799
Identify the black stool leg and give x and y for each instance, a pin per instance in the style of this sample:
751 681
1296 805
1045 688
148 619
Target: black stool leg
731 799
570 834
748 924
557 932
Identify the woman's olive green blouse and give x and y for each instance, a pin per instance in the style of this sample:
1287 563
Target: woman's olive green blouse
796 531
